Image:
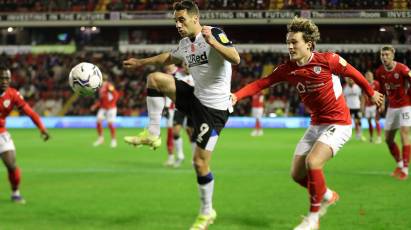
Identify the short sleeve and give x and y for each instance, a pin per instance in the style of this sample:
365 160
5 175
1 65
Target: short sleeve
177 53
221 37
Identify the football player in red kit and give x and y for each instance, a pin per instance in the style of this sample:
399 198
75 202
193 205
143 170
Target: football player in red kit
395 79
257 110
9 99
316 78
371 111
107 110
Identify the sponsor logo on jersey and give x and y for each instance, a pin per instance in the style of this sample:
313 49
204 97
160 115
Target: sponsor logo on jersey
6 103
223 38
396 75
317 69
195 60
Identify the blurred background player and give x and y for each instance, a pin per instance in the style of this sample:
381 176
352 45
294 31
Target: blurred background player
371 112
257 110
181 120
314 75
108 97
394 77
169 108
9 99
353 96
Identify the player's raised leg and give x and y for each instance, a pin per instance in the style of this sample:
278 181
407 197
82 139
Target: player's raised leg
158 85
14 175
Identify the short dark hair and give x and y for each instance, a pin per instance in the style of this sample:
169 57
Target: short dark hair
307 27
188 5
3 66
388 48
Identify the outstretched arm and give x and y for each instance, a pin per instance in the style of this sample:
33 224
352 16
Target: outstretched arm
36 120
162 59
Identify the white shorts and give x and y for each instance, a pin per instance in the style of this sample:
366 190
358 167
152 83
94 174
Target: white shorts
257 112
398 117
6 143
334 136
109 114
371 111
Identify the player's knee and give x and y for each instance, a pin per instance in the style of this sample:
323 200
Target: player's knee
176 136
200 165
313 162
152 80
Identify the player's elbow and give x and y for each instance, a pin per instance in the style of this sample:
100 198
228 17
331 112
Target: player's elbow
236 59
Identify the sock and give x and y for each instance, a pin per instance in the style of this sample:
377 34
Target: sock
112 130
179 147
395 151
257 124
99 128
314 216
316 188
155 105
303 182
371 129
378 127
206 188
14 178
357 130
406 155
328 194
170 142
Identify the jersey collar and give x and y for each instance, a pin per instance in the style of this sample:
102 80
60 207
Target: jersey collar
395 64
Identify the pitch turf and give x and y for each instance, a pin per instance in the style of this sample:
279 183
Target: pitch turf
68 184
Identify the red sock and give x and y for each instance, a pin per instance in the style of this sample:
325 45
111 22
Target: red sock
14 178
316 188
170 141
370 128
395 152
99 128
112 130
257 124
406 155
303 182
357 128
378 127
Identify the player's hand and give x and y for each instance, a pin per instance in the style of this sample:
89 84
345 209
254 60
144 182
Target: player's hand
45 136
208 36
377 98
132 63
233 98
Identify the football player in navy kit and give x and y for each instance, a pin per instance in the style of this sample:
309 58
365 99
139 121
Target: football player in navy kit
209 55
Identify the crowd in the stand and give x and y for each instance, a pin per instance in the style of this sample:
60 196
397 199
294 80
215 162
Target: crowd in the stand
42 80
143 5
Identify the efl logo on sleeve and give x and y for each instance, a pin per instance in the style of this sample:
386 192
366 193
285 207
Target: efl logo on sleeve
223 38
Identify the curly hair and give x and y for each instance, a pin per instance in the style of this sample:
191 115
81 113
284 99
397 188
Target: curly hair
307 27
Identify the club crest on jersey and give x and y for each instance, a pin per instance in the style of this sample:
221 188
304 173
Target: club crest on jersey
317 69
396 75
197 59
6 103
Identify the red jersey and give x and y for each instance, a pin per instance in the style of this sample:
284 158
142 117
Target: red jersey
108 96
318 85
396 83
257 100
11 98
377 87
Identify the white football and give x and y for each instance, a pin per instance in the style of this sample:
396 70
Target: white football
85 78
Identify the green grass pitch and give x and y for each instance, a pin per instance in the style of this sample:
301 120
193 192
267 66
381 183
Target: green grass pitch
68 184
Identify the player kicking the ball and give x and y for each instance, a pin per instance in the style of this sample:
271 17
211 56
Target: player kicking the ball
315 76
209 54
10 98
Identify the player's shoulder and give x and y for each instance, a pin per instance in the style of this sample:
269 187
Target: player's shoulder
220 36
402 66
12 91
379 70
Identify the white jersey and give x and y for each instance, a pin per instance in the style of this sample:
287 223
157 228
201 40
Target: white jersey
211 72
187 78
352 96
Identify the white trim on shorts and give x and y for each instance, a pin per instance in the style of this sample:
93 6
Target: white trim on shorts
6 142
398 117
371 111
109 114
334 136
257 112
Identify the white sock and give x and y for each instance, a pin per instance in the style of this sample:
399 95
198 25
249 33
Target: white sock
178 143
16 193
328 194
400 164
405 170
314 216
155 106
206 197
